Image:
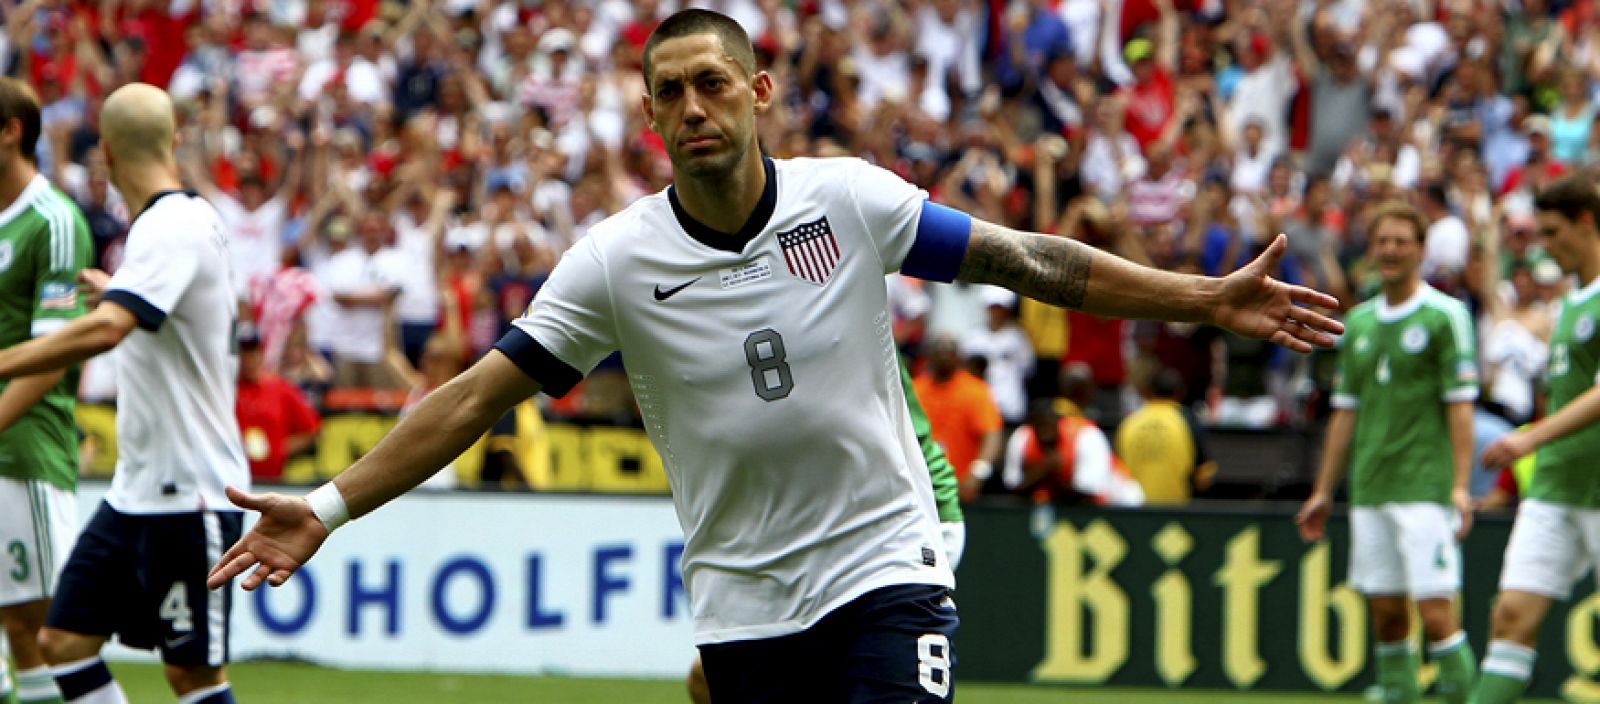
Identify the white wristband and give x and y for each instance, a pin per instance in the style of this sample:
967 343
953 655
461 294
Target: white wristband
328 504
981 469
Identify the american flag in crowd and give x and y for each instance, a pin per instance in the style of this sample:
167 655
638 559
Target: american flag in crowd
810 251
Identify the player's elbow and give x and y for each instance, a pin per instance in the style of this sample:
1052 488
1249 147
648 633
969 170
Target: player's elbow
108 330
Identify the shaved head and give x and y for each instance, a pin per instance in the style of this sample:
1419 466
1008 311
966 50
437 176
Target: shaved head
137 125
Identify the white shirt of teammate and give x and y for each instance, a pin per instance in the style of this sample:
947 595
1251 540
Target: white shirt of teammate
177 375
774 401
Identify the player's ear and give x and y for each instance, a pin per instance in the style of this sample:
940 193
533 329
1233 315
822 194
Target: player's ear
762 85
649 111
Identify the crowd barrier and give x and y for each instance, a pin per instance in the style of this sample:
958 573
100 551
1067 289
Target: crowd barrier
573 455
1225 598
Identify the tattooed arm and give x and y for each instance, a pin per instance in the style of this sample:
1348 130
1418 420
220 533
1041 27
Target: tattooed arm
1064 272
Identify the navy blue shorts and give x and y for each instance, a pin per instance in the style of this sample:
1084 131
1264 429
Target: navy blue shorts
890 645
142 578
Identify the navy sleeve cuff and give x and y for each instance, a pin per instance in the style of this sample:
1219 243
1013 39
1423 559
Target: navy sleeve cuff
554 376
940 245
150 317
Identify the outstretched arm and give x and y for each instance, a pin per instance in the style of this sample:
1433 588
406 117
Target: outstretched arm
1067 273
443 426
84 337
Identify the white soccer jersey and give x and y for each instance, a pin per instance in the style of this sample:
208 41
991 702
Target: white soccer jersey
177 375
767 377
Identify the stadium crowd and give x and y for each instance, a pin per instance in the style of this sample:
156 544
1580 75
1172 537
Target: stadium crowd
399 178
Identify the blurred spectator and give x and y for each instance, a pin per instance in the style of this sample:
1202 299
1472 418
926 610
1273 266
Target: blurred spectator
275 420
1151 95
1007 354
1571 119
1163 445
1448 243
961 414
1066 459
364 280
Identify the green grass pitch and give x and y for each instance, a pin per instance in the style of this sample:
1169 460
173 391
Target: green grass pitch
305 684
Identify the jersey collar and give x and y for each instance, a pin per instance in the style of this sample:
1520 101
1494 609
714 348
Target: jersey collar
757 222
1388 314
24 199
1579 295
157 197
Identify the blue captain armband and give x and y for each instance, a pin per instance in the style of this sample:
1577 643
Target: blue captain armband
940 244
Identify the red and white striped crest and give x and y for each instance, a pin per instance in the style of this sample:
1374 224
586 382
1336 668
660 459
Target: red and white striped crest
810 251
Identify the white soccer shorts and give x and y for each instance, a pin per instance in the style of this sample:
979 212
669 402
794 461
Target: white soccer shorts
38 525
1405 549
1551 546
955 541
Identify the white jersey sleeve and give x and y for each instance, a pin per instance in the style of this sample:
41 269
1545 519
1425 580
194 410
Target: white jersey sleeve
570 320
890 208
152 279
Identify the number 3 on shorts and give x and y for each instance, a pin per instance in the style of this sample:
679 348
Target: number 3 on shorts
933 664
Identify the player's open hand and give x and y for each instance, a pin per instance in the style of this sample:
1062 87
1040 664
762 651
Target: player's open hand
1462 499
1253 304
1313 518
287 535
1507 449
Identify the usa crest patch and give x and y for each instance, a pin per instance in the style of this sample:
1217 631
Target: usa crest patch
810 251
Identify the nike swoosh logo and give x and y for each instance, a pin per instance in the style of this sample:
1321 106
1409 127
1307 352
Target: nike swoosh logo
175 642
669 293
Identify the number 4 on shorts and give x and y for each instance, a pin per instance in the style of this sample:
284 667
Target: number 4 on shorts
175 608
933 664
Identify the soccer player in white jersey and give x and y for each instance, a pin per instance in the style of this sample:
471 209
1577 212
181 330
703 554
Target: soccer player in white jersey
138 570
749 306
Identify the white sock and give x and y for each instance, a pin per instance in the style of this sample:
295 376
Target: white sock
36 684
1509 659
200 694
5 672
1448 645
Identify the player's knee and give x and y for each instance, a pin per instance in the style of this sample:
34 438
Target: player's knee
1513 620
699 689
187 678
1390 620
60 646
1438 619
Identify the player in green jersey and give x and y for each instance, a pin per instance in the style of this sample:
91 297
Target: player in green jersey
1403 419
1557 534
945 490
44 243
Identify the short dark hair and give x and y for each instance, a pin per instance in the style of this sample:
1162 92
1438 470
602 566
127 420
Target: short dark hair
686 23
1167 384
1399 211
18 102
1571 196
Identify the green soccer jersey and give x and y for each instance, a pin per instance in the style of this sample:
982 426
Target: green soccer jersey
44 243
1398 367
945 488
1565 472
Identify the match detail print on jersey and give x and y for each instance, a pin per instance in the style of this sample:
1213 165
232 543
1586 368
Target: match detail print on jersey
811 251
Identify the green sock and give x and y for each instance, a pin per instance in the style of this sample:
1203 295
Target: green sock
37 686
1457 669
1397 673
5 676
1507 667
